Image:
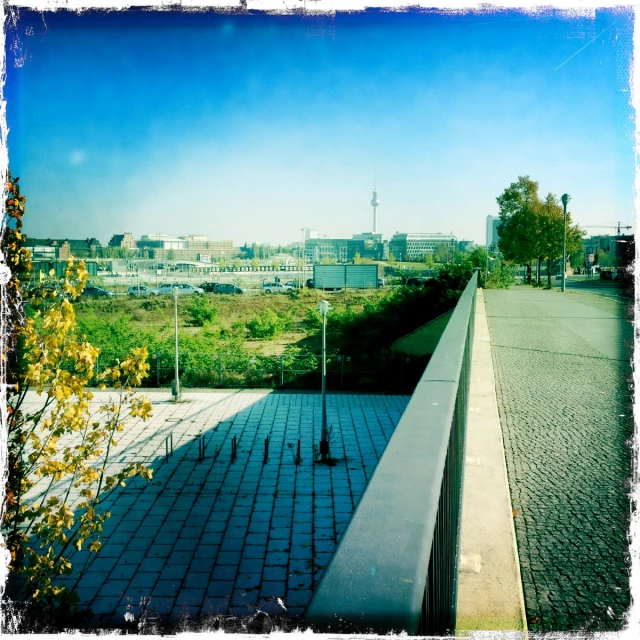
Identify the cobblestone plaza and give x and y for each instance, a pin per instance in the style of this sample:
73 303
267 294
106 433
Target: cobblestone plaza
217 536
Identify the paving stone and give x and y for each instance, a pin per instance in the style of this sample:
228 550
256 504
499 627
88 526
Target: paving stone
564 446
248 580
169 537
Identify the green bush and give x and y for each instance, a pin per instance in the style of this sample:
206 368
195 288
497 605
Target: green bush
200 311
266 325
500 278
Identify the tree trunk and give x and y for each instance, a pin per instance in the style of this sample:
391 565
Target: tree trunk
549 272
539 269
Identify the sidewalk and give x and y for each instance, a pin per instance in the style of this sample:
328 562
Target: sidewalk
562 383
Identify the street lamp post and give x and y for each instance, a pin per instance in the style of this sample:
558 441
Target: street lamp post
565 200
486 271
176 384
324 307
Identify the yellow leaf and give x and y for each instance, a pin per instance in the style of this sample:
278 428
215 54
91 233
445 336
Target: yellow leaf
52 273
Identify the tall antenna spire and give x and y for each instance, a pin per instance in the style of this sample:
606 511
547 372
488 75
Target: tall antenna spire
375 201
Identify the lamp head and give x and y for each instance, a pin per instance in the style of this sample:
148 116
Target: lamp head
323 307
565 199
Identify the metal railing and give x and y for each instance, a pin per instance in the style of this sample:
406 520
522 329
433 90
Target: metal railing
394 372
395 568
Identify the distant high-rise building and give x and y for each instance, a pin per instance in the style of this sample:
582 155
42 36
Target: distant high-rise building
493 235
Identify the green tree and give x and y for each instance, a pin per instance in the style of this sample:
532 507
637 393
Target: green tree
551 224
576 258
428 259
255 264
519 231
237 263
441 253
391 260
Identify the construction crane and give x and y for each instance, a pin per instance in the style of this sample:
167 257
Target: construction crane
606 226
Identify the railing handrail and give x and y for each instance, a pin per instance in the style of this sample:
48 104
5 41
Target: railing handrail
377 577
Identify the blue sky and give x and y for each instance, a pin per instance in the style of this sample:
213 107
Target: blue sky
251 127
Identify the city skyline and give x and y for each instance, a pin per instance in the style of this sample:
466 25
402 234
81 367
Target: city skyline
250 128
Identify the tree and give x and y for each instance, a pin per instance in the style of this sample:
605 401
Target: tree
519 237
237 263
532 229
255 264
222 263
59 454
551 222
357 259
428 259
605 259
441 253
391 259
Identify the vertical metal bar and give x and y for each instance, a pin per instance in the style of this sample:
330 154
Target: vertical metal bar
282 371
157 369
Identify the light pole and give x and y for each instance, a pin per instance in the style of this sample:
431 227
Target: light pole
565 200
486 271
302 258
176 384
324 307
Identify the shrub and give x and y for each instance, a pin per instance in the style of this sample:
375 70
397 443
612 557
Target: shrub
267 325
200 311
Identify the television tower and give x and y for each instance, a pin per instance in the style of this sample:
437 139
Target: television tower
375 202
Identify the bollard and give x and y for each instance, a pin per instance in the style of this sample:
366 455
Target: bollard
168 447
282 371
200 448
233 448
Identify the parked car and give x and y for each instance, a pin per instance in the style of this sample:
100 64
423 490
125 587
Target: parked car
46 291
97 292
209 287
183 289
140 290
276 287
227 288
417 282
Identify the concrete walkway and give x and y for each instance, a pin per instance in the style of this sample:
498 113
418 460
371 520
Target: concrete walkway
489 585
217 536
563 388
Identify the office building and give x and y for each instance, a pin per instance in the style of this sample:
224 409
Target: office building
493 235
415 246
